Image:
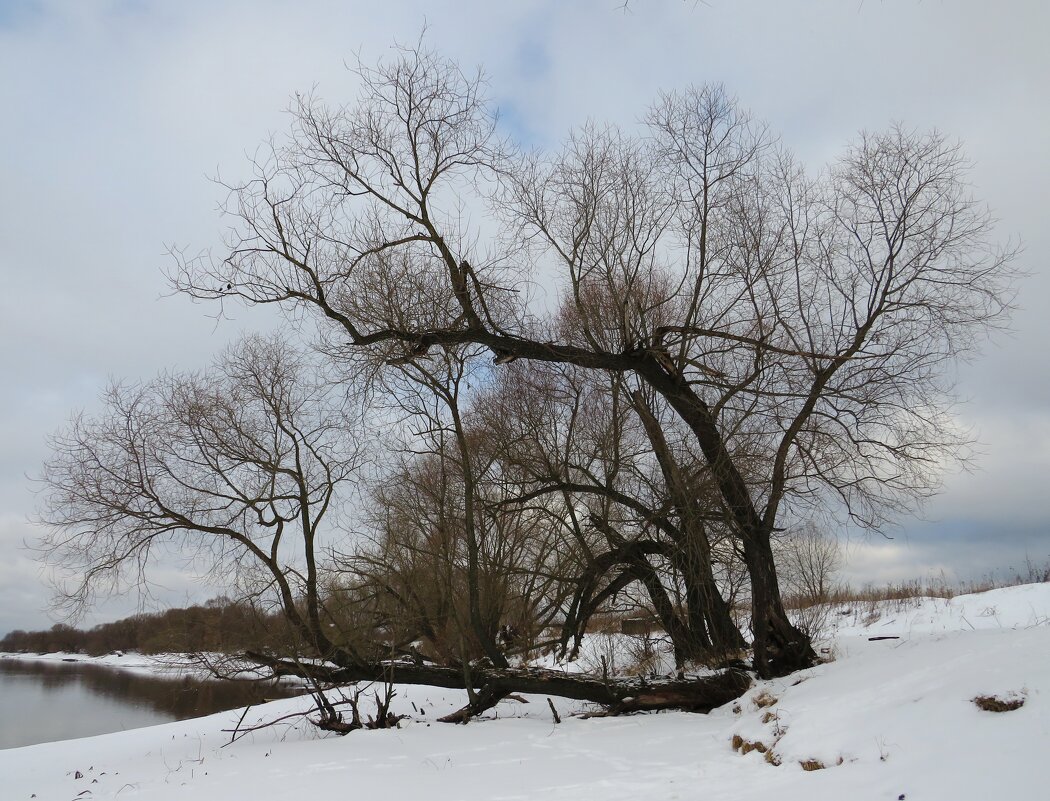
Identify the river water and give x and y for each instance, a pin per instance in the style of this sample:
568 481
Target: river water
45 701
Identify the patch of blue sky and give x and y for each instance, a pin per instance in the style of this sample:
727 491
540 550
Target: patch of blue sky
532 60
515 123
531 66
18 13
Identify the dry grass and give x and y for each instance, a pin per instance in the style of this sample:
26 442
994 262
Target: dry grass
994 703
812 764
931 587
764 699
747 746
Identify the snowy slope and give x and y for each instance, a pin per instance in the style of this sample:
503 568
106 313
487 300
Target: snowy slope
896 713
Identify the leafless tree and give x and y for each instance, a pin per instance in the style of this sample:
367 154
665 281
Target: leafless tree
809 557
802 329
438 512
579 439
239 467
243 467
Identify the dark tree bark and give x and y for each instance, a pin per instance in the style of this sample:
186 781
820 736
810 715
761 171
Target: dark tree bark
710 625
491 685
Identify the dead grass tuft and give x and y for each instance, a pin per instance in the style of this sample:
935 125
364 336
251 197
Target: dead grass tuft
747 746
939 586
993 703
764 699
812 764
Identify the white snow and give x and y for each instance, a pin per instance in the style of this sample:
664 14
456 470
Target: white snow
154 665
897 714
173 665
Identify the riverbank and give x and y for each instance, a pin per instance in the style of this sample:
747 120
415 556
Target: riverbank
151 664
889 717
166 666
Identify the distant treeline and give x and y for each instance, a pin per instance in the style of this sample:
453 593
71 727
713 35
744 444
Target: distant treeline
220 625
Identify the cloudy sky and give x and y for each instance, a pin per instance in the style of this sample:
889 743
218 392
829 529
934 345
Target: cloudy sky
114 113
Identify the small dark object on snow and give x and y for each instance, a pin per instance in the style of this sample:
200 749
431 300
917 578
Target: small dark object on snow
884 637
557 717
993 703
900 797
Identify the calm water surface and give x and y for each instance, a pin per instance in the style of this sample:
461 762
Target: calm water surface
45 701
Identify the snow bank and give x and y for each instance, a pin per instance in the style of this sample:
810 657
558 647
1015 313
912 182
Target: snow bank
154 665
1007 608
172 665
887 718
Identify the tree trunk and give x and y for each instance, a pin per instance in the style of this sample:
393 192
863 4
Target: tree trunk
779 647
710 628
492 685
706 605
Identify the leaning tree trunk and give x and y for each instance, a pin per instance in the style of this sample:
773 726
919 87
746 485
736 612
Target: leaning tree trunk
706 606
779 647
688 644
710 629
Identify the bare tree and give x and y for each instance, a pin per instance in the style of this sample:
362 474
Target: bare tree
803 330
809 557
243 468
633 510
238 468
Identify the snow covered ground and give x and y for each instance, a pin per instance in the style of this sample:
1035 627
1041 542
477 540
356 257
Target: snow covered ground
888 719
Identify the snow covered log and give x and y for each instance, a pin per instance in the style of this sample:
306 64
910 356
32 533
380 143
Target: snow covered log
490 685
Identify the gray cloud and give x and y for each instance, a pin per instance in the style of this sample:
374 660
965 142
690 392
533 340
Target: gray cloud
115 113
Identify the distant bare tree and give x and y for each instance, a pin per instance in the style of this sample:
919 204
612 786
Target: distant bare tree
803 330
809 557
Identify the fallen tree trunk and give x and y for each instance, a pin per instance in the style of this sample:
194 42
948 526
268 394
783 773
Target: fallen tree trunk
491 685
